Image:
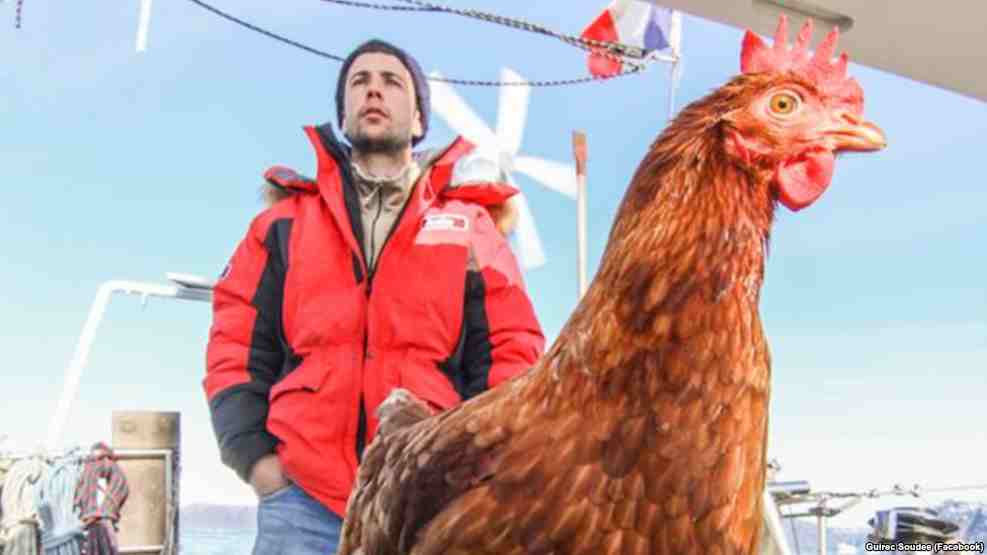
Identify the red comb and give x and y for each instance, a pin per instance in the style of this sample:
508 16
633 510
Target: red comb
829 76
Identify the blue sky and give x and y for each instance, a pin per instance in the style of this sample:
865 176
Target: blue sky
120 165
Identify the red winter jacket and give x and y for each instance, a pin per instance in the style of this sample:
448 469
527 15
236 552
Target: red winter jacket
305 345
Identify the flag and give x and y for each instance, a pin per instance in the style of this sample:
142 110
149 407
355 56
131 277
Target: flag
636 23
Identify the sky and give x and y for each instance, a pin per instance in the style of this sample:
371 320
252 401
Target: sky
119 165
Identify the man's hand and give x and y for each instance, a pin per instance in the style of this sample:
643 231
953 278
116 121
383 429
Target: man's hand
267 477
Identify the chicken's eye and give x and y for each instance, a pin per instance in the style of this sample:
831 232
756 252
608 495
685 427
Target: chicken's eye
784 103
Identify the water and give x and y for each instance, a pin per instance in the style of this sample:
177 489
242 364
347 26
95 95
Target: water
216 541
240 541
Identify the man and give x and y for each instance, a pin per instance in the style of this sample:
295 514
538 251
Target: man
385 271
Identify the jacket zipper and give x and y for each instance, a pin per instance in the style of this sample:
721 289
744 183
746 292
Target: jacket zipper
361 426
371 272
373 228
361 423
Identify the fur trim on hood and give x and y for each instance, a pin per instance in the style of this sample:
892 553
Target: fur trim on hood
282 182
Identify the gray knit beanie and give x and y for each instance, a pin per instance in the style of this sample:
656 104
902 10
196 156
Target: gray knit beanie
417 76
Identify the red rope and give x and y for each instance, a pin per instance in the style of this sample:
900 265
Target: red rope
101 465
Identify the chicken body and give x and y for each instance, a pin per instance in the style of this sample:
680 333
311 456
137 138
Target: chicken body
643 430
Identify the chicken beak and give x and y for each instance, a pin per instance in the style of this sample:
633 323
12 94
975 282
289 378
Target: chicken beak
851 133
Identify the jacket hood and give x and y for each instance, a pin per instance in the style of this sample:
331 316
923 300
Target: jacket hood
282 182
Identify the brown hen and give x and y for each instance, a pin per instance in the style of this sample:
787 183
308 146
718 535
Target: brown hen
642 431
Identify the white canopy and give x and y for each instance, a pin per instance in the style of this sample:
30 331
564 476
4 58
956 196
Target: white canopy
940 43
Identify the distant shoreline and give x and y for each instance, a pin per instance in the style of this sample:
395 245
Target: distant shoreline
209 516
243 518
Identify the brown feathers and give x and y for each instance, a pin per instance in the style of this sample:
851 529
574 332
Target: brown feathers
643 429
400 410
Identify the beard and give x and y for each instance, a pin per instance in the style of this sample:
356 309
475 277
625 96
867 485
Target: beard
389 143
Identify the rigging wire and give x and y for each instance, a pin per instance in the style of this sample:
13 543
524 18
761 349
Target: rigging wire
897 489
520 24
265 32
17 18
376 6
615 51
954 488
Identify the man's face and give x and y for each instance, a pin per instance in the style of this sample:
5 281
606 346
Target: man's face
380 113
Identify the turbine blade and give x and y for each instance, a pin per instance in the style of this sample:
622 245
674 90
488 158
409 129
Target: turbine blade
527 243
459 116
512 111
555 175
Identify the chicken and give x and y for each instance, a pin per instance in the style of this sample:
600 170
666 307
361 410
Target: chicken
642 430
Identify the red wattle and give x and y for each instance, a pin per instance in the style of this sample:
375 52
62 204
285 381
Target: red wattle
802 180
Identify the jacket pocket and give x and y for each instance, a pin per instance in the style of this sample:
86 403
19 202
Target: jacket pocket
310 375
429 384
295 403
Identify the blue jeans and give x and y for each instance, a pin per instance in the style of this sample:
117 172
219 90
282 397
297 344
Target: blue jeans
291 521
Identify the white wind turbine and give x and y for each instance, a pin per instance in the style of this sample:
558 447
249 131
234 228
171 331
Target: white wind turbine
503 147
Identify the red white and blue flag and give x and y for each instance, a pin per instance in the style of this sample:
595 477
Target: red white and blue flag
637 23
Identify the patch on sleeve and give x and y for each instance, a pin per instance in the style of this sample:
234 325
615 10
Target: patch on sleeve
452 222
444 228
